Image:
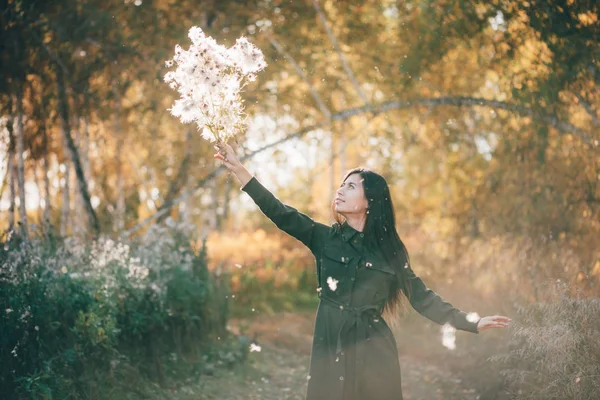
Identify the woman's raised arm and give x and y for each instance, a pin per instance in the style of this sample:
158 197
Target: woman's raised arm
287 218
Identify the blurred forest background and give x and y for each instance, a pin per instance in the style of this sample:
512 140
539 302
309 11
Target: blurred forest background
127 248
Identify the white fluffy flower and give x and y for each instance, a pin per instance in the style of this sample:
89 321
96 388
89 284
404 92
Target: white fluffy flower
209 78
332 283
247 58
473 317
254 347
449 336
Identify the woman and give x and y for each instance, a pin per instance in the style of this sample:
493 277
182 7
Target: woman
362 270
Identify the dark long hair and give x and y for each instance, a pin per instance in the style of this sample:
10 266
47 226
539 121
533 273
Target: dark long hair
380 232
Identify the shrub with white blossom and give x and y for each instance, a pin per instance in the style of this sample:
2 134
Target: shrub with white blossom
119 308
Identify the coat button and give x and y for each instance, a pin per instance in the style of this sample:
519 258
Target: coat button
351 278
362 235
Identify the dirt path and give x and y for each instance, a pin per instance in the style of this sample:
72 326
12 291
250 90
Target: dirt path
279 370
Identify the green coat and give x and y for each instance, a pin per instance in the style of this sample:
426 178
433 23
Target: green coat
354 354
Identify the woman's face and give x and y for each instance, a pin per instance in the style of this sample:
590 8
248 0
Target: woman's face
350 197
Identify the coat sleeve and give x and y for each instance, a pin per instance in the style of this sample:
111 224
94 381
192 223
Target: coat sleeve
288 219
431 305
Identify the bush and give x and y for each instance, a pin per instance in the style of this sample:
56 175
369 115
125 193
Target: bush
554 352
109 319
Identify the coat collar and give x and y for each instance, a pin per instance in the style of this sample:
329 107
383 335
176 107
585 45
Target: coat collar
349 232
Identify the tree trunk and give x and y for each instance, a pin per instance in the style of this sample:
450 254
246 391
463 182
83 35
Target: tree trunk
65 215
45 146
85 152
72 150
20 135
38 187
119 220
47 199
79 229
11 170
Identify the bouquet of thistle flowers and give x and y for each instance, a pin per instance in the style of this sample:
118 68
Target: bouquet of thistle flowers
209 78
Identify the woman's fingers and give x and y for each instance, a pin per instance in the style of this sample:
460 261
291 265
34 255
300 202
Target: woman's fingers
501 320
498 322
227 156
222 151
223 159
495 321
220 154
490 326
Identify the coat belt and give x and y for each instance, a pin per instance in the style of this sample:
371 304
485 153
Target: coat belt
349 323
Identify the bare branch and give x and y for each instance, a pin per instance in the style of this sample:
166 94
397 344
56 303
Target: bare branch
338 50
564 127
53 56
300 72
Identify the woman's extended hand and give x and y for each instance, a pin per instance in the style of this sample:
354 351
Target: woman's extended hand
495 321
228 158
